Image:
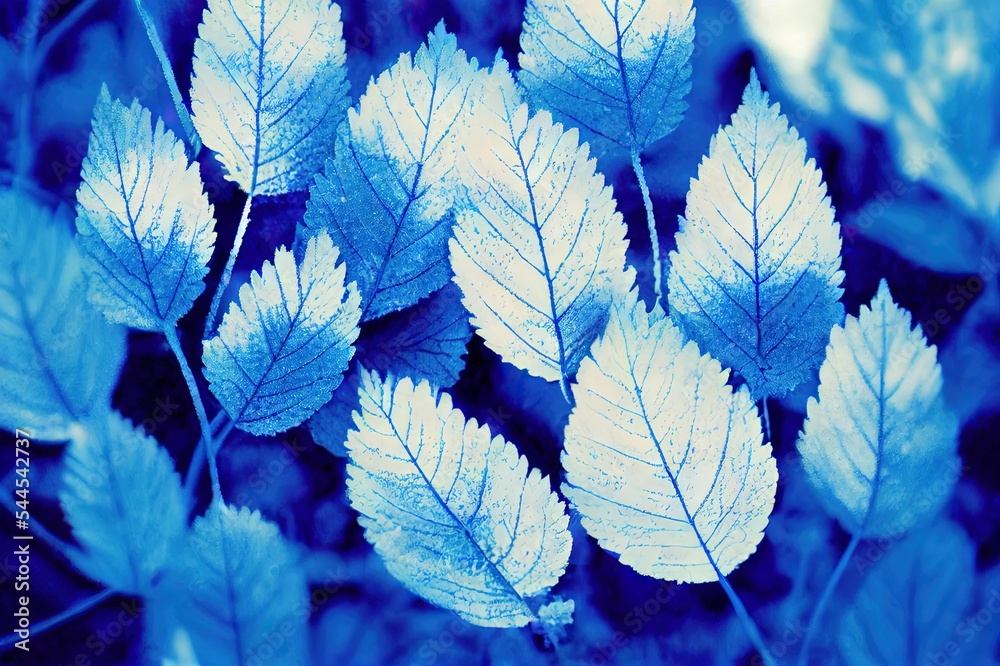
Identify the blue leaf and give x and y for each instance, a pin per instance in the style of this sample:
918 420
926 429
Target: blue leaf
386 197
269 89
540 251
60 358
617 68
755 279
880 446
912 601
282 351
663 460
238 588
124 501
456 514
143 219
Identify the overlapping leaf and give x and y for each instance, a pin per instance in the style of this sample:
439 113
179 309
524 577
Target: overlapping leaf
755 279
456 514
880 446
386 197
282 351
540 252
617 68
123 499
239 588
269 89
663 460
60 358
143 218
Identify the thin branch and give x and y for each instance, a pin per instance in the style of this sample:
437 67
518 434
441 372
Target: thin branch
825 597
227 274
79 608
654 239
748 624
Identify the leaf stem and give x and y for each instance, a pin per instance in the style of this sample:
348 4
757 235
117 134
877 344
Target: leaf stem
825 597
654 239
59 619
206 430
227 274
767 418
194 140
199 456
748 624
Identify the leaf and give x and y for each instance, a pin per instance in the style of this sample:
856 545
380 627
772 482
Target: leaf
60 358
143 219
455 513
386 197
425 341
269 89
755 279
663 460
240 587
618 69
282 351
540 252
880 446
912 601
123 499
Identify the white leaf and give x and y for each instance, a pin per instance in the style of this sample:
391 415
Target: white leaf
663 460
880 446
124 501
540 252
386 197
456 514
755 279
238 588
618 68
60 358
143 219
269 89
282 350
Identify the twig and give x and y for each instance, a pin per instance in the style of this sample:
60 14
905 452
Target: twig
227 274
654 239
65 616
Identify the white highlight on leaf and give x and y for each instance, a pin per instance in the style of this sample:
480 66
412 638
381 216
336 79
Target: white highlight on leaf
124 501
540 251
283 349
663 460
59 357
755 279
269 89
143 218
880 445
456 513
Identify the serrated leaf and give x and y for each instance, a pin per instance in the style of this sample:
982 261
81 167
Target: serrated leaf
912 601
269 89
880 446
456 514
755 279
143 219
282 350
386 197
663 460
123 499
540 251
617 68
60 358
238 586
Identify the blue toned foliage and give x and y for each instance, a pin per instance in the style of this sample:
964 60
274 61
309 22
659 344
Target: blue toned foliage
617 68
123 499
143 219
457 514
236 586
386 196
912 602
283 349
755 279
539 252
59 357
269 89
879 445
663 459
